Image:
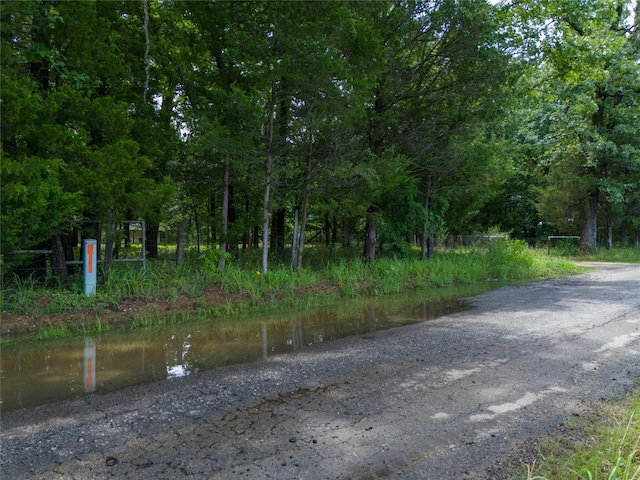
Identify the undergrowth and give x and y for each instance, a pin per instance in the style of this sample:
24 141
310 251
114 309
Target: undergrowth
502 260
608 446
56 332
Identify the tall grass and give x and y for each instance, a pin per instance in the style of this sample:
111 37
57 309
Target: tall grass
348 276
623 255
607 446
57 332
503 260
162 281
20 296
569 249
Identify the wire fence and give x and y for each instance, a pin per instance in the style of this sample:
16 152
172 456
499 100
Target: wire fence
37 263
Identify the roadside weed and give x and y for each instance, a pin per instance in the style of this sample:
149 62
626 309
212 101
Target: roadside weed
607 446
251 289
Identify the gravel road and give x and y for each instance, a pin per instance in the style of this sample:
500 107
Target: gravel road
446 399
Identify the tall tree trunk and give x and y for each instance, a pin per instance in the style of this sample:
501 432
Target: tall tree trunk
427 245
180 244
152 231
69 241
197 224
369 251
346 232
609 234
268 165
225 216
265 214
278 219
58 264
211 228
305 208
589 223
256 237
425 230
431 244
116 246
624 233
303 226
246 237
294 238
249 245
127 234
333 236
327 233
232 217
108 249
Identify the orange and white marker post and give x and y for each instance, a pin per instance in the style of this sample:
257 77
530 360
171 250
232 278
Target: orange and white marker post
89 266
89 369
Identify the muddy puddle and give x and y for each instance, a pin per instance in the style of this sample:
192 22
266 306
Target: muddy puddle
36 373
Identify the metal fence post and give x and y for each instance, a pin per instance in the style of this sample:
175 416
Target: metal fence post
89 266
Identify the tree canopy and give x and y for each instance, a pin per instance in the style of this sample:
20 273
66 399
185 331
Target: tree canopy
382 123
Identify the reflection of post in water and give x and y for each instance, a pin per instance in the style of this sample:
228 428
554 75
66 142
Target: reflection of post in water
89 369
370 319
428 310
265 344
296 335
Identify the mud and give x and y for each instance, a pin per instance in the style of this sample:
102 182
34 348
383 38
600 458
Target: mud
451 398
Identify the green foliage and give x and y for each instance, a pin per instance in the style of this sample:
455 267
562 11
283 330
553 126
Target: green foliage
281 287
588 112
20 297
65 303
608 446
34 202
347 275
64 331
67 143
54 333
402 210
398 114
623 255
211 258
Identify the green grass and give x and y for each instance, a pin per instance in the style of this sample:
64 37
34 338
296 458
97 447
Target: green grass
56 332
622 255
502 260
604 445
569 249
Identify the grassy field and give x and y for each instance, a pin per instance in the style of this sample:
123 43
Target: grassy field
603 445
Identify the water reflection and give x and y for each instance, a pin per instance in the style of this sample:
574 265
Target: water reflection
89 363
178 365
50 371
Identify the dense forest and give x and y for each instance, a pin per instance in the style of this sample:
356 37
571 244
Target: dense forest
383 124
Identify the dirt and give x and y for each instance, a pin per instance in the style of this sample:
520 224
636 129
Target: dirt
455 398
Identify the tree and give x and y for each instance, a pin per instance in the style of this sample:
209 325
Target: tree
35 205
590 57
70 57
448 77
